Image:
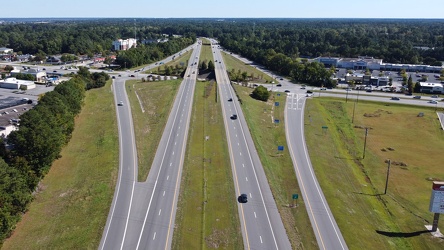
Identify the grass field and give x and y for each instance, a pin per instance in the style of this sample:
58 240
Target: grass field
207 216
236 64
71 209
354 187
206 54
151 103
277 165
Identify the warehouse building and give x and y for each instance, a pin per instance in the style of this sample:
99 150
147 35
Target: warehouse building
14 83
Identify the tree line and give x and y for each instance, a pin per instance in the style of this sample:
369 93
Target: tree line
28 153
145 54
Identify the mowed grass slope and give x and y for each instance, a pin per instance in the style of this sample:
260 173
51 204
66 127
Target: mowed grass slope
72 206
151 103
207 216
278 166
354 187
234 63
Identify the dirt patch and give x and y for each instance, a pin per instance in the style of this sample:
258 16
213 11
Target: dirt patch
377 113
397 163
217 239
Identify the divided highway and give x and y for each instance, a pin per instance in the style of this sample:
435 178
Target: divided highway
262 227
142 214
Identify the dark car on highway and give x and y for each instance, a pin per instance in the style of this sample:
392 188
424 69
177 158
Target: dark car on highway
243 198
233 117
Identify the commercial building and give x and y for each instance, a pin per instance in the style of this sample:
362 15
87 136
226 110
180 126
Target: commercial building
39 75
432 88
126 44
364 62
4 50
14 83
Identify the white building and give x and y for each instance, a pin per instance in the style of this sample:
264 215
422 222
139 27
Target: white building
4 50
39 75
124 44
13 83
6 130
432 88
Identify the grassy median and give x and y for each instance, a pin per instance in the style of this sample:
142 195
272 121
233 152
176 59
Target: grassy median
207 216
72 205
354 185
151 103
278 166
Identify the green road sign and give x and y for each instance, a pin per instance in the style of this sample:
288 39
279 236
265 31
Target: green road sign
295 196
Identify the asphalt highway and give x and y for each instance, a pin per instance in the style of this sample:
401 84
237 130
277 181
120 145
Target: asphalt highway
142 213
262 227
326 230
323 223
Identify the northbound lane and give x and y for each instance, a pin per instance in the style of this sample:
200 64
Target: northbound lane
262 227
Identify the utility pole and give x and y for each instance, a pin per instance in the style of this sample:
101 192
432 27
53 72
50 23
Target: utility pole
365 142
387 179
354 107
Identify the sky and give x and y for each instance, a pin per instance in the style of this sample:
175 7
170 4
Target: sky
226 8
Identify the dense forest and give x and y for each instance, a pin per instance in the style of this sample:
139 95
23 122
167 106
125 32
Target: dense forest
278 44
397 41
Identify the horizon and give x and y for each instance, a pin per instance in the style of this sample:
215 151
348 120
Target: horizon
377 9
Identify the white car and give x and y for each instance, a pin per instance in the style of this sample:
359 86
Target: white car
433 102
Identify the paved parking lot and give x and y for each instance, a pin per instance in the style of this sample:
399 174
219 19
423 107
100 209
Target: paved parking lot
12 100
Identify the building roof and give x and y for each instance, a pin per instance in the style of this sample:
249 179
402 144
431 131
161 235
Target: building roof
16 81
2 49
430 84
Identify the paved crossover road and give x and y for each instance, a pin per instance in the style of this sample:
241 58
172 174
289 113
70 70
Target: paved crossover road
142 214
262 227
324 225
